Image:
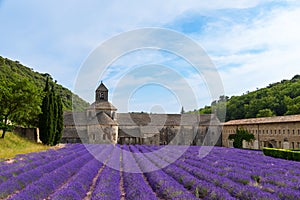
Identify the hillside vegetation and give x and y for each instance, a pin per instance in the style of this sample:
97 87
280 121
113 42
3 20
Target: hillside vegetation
8 68
14 144
277 99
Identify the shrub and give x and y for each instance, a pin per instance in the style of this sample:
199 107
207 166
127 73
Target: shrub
282 153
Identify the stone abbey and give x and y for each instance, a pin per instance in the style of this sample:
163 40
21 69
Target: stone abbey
101 123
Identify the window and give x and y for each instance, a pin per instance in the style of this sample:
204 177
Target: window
267 131
288 131
293 132
101 95
275 132
278 131
298 131
270 131
283 131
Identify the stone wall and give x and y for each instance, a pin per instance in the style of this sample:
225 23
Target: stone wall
277 135
174 135
29 133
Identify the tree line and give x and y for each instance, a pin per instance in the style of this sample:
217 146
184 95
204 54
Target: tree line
23 103
277 99
9 68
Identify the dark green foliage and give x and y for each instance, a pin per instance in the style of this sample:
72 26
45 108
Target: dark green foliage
9 67
20 102
51 118
282 153
46 117
182 110
59 120
239 136
282 98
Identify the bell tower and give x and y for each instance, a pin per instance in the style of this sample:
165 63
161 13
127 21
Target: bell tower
101 93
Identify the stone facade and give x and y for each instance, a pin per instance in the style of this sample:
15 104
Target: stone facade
277 132
101 124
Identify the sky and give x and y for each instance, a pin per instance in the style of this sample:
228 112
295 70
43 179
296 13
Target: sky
247 44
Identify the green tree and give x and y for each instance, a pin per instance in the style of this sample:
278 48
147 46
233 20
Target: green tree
51 118
239 136
59 120
281 98
182 110
46 117
20 102
292 104
265 113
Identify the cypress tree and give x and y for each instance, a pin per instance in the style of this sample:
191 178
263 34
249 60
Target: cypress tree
52 117
59 120
44 117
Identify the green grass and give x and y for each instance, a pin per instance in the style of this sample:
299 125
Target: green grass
14 144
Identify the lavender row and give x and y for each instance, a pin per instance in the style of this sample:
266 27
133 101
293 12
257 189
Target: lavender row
19 182
135 184
200 188
79 185
223 173
108 183
28 162
49 182
165 186
239 191
274 179
249 175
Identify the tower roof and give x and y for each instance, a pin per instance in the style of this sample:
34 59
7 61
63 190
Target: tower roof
102 88
104 105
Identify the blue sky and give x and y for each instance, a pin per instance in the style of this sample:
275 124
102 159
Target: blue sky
251 43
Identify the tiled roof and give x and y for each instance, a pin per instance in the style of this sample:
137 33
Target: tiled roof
69 117
132 132
143 119
102 105
73 133
80 119
137 131
102 88
103 119
265 120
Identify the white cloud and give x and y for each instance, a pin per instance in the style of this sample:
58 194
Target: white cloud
253 55
57 36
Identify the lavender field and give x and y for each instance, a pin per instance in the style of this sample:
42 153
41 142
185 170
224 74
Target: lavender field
148 172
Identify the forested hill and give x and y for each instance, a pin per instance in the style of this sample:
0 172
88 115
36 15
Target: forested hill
277 99
8 68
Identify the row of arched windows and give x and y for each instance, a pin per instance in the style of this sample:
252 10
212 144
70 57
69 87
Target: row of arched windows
267 131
